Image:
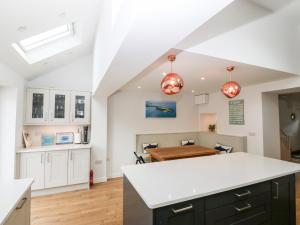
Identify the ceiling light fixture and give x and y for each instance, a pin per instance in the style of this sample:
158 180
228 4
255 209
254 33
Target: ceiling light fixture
139 87
202 78
172 83
193 91
231 89
22 28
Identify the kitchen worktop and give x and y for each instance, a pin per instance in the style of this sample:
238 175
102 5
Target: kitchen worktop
11 193
169 182
54 148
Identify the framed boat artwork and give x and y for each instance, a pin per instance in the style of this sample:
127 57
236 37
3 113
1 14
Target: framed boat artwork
160 109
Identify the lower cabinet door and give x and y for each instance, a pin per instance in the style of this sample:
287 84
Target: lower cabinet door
188 213
283 201
32 166
252 211
78 166
56 169
21 214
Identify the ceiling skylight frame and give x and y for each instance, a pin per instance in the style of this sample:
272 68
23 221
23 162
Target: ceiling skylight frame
45 38
47 44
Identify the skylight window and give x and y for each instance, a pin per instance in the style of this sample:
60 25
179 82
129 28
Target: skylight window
47 44
46 37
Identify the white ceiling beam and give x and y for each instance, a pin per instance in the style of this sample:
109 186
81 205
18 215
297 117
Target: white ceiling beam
156 27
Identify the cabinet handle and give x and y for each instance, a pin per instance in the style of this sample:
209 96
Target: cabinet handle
46 116
243 194
42 159
277 190
71 156
21 204
176 211
248 206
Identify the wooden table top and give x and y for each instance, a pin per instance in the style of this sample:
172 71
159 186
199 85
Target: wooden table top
179 152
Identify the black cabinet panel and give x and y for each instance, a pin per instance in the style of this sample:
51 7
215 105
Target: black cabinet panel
283 201
253 211
268 203
236 195
187 213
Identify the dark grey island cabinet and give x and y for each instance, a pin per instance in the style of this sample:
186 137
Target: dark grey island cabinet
270 202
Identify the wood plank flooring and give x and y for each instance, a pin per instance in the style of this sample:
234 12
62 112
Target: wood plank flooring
102 205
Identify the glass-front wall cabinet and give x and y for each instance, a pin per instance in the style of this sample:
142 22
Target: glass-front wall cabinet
50 106
37 105
80 107
59 106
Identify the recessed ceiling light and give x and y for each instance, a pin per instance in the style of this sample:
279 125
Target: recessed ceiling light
45 63
193 91
139 87
22 28
62 15
202 78
164 74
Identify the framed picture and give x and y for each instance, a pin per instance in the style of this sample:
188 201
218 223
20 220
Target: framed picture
160 109
236 112
64 138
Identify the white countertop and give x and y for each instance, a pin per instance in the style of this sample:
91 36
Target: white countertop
54 148
165 183
11 193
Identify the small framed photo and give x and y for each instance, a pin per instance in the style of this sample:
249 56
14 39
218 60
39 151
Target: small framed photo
64 138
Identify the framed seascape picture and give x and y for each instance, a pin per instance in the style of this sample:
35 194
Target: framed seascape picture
160 109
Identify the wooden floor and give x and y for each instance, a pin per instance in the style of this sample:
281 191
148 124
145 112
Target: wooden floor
102 205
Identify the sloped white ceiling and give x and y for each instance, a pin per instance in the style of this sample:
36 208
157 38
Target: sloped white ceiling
40 16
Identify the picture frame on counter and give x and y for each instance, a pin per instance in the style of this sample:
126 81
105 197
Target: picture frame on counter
64 138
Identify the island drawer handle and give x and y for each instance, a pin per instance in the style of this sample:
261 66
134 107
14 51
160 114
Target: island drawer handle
248 206
277 190
243 194
182 209
22 203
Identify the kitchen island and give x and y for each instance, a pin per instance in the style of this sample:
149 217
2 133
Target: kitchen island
237 188
15 202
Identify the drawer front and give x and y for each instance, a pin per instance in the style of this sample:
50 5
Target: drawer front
253 211
186 213
243 193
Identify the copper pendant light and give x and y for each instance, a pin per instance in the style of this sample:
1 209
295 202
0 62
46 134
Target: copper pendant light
172 83
231 89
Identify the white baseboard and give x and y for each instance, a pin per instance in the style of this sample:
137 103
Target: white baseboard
50 191
115 175
100 180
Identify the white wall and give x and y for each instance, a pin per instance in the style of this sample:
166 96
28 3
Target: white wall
218 104
74 76
253 127
126 118
270 110
11 118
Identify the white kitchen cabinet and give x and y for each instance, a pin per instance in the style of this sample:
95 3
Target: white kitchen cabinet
80 107
37 104
53 106
59 106
56 169
32 166
78 166
21 214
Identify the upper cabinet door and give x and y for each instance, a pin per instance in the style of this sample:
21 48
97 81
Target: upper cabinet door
59 106
37 105
80 107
